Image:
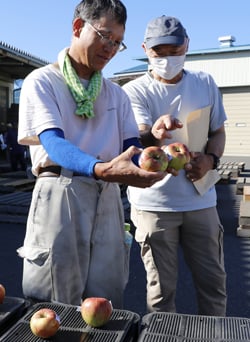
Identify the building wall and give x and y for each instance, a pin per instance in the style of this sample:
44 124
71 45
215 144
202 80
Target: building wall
233 71
237 105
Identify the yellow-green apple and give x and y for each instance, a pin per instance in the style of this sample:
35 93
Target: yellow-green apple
178 154
44 323
153 158
2 293
96 311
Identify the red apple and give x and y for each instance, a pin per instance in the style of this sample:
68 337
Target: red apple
2 293
44 323
178 154
96 311
153 158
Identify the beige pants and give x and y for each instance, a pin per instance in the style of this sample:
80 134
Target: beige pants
200 235
74 245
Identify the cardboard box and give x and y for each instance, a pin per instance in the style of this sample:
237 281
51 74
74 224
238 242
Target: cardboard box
246 194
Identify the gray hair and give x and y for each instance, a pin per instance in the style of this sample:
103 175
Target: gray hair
95 9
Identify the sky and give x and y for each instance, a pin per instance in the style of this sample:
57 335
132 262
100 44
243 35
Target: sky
43 28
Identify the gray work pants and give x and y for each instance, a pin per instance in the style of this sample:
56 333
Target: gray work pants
74 245
200 235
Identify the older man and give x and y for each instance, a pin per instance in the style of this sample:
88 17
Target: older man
179 210
80 128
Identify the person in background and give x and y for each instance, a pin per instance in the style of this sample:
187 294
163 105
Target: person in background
82 136
173 212
3 145
15 150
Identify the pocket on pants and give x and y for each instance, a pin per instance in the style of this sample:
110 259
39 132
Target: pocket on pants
37 279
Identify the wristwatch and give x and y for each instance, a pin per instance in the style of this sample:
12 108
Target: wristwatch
216 160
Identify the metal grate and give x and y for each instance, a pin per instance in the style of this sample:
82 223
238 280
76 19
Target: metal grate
158 327
11 310
123 326
22 333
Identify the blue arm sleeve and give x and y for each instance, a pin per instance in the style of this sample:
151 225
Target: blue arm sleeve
129 142
65 154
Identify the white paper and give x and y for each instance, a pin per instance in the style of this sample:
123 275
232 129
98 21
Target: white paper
206 182
196 136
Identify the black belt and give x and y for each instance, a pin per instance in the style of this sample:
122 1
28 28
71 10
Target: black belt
53 171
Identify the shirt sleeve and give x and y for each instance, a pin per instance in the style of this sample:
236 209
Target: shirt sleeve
65 154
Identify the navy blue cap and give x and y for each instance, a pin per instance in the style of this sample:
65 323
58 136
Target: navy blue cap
164 30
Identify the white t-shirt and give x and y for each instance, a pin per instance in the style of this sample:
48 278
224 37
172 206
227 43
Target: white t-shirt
46 102
151 99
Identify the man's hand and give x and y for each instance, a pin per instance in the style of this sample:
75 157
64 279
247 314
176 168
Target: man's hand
122 170
163 125
199 165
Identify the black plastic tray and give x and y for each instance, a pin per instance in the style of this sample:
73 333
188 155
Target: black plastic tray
11 310
171 327
123 326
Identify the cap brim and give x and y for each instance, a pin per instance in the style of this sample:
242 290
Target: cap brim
173 40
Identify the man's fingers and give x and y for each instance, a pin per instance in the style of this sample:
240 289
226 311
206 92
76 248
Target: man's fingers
178 123
161 133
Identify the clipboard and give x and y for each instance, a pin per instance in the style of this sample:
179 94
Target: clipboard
197 126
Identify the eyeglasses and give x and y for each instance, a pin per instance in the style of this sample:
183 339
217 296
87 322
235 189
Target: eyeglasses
119 46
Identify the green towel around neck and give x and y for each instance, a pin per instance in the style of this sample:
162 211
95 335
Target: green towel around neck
84 98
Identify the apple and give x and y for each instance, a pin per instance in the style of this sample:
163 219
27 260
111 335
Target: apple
96 311
178 154
44 323
2 293
153 158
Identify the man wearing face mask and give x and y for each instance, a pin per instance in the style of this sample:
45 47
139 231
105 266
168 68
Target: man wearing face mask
175 212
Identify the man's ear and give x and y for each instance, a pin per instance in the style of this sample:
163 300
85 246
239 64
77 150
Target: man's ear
144 47
78 24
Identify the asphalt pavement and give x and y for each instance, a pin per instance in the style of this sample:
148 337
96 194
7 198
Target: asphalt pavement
237 261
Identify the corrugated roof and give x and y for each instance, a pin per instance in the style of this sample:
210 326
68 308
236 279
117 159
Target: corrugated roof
137 69
15 51
16 63
219 50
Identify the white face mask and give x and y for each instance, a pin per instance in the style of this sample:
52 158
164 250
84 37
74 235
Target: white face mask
167 67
